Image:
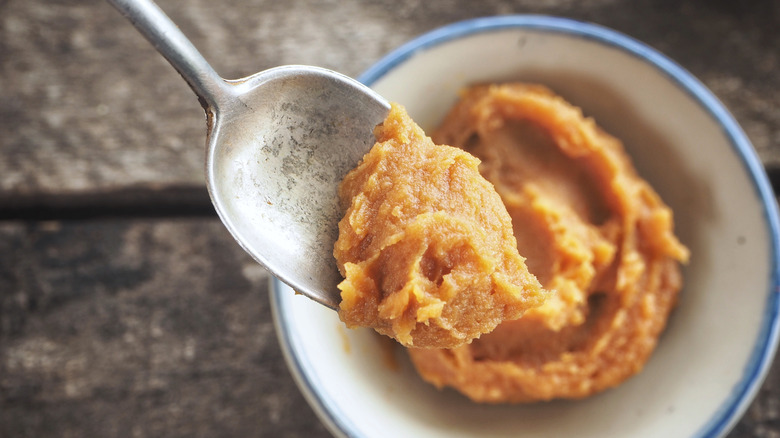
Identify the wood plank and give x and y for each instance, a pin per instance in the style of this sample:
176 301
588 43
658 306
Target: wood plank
139 328
87 104
158 327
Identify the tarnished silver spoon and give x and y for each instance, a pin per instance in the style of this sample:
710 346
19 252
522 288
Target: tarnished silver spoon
278 144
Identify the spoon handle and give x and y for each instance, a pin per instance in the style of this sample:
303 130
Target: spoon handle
166 37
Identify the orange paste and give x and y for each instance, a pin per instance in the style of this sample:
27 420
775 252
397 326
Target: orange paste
433 253
426 245
595 234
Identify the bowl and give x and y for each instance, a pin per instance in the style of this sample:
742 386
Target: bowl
720 339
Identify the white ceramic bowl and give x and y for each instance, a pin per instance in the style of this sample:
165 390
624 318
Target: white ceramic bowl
721 338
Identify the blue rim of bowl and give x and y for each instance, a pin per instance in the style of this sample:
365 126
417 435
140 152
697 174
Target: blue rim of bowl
763 353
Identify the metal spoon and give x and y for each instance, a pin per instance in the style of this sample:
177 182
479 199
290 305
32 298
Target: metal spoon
278 144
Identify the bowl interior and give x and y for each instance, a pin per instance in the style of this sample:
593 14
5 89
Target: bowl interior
721 337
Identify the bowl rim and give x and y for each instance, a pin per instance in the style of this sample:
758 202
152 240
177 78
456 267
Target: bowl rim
757 367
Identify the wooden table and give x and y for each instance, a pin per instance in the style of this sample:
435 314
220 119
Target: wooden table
125 307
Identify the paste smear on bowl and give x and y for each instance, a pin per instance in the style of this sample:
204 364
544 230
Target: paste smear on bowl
426 245
594 233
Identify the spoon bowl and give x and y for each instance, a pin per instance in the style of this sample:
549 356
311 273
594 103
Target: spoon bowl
277 152
279 142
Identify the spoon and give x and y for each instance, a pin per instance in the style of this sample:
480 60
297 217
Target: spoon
278 143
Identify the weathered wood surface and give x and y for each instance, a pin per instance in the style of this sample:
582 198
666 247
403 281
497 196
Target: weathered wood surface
88 104
139 328
130 311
